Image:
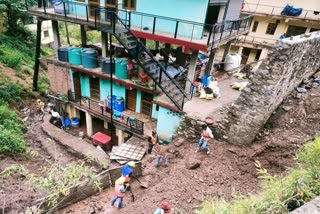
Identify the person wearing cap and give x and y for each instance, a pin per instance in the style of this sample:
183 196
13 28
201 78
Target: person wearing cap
40 105
164 208
206 135
126 171
120 189
152 140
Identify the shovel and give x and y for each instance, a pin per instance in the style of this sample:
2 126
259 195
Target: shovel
142 184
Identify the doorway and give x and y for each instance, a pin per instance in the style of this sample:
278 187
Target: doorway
131 99
76 85
146 103
245 55
95 88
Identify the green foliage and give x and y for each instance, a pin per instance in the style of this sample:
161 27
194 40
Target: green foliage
26 70
20 75
11 131
43 83
13 169
11 92
278 194
15 52
14 13
58 180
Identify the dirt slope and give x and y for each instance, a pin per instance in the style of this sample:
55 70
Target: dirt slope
227 170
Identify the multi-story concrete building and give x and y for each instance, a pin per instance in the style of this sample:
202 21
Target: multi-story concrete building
269 23
185 27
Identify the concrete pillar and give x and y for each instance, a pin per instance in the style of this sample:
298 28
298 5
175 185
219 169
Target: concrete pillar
104 43
83 35
120 137
212 57
264 53
192 69
181 58
56 35
240 51
157 45
89 124
221 13
226 50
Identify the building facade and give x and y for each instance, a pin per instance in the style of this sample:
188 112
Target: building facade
150 95
269 23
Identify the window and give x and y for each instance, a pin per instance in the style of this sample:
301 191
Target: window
112 3
129 4
46 33
271 29
295 30
81 0
255 26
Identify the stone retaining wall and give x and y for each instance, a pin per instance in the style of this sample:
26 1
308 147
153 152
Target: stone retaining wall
288 64
86 189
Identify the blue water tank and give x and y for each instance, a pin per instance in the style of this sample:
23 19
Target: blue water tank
114 98
63 54
106 66
89 58
74 55
121 68
119 104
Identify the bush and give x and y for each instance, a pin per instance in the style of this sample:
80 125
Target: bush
11 131
278 194
43 84
11 92
20 75
11 142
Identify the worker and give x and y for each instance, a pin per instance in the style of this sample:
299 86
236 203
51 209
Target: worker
40 105
164 208
282 36
152 140
120 189
126 170
206 135
161 150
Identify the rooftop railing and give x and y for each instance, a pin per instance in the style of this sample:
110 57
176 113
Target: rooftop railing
253 8
149 23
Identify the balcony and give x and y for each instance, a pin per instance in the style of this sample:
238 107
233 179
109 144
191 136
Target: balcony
269 10
98 109
194 35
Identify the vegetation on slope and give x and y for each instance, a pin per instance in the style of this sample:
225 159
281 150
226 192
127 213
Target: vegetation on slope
279 194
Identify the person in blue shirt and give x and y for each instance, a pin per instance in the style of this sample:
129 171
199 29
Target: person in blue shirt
282 36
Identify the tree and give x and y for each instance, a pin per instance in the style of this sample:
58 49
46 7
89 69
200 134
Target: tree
14 14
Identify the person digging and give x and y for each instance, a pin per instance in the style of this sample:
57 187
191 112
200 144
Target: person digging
120 189
161 151
206 135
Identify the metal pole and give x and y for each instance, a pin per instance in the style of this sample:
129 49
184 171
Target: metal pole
111 77
37 56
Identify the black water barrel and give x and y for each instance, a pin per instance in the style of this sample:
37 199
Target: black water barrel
63 54
106 66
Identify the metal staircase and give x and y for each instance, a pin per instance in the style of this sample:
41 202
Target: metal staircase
155 69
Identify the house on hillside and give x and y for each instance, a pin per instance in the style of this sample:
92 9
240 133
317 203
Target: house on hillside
269 23
46 32
155 46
